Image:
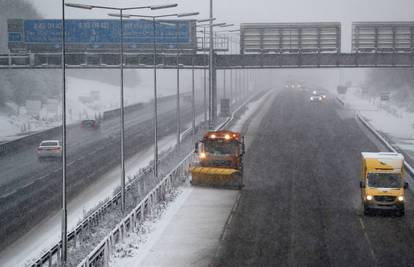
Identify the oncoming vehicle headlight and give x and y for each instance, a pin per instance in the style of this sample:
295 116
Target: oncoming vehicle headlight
401 198
203 155
369 197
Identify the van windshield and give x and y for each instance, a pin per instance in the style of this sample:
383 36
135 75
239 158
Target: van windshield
384 180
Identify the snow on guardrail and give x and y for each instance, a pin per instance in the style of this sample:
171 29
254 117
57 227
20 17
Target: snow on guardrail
101 254
52 255
407 166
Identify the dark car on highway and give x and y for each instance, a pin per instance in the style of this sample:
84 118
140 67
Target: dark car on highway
90 124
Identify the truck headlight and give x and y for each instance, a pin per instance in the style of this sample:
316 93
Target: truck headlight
401 198
369 197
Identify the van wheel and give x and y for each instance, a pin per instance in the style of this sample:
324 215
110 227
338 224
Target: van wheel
401 212
366 210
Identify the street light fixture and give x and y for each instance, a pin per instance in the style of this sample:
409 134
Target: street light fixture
205 20
155 7
214 25
154 19
79 6
188 14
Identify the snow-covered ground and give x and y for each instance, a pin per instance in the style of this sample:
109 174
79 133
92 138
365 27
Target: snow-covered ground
386 117
86 99
188 232
47 233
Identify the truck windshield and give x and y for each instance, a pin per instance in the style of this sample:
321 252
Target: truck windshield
220 147
384 180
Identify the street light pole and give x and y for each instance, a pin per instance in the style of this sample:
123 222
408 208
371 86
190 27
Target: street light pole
224 83
64 205
155 103
178 93
231 73
211 69
122 114
205 76
193 101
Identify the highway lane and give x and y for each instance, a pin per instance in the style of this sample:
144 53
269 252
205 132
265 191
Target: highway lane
40 197
18 169
300 206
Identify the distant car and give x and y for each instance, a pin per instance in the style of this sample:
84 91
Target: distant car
91 124
49 149
316 98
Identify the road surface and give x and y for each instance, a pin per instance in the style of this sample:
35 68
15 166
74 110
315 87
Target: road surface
190 229
34 191
300 206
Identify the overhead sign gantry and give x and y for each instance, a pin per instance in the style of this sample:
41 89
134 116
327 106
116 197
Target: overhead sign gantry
101 35
383 37
324 37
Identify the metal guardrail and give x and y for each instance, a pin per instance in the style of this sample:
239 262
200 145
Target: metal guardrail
52 256
407 166
100 255
340 101
35 138
222 61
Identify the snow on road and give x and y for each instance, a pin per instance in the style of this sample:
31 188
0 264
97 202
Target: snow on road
86 99
47 233
188 232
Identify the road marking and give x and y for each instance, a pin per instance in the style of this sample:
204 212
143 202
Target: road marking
8 194
368 241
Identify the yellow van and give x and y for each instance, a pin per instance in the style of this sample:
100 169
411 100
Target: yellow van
382 183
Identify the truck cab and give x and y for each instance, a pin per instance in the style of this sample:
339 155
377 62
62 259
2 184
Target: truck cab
219 160
382 182
221 150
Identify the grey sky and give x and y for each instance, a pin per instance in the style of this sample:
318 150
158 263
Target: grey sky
239 11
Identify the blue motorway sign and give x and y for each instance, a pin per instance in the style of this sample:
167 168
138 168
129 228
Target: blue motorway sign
99 32
15 37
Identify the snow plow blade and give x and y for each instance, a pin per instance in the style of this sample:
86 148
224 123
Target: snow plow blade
216 177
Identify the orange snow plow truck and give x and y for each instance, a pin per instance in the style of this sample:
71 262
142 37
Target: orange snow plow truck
219 160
